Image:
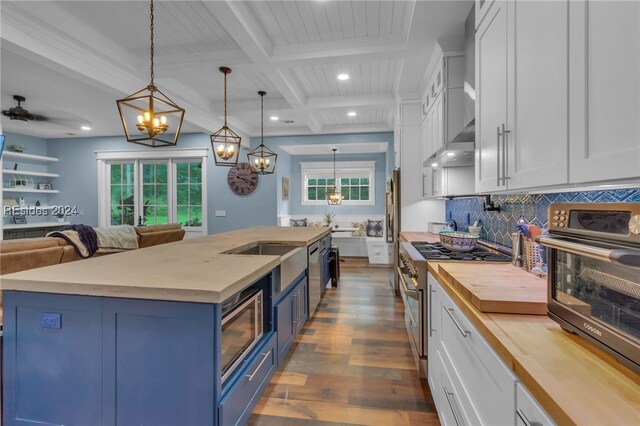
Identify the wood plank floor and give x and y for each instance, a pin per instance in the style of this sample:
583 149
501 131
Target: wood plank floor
352 363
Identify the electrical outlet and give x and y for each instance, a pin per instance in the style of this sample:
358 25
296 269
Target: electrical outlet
221 213
50 320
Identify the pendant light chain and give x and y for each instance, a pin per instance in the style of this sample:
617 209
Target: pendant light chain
151 27
225 99
261 119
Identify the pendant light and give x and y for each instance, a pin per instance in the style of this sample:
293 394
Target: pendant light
334 196
148 116
262 160
225 142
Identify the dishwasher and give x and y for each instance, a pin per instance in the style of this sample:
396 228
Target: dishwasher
314 277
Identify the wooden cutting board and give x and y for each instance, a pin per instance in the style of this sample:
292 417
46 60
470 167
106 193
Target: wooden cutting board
497 288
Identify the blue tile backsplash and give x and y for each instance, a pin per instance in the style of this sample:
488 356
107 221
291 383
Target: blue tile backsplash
498 226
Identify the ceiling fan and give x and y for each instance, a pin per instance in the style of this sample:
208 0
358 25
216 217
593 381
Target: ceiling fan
21 114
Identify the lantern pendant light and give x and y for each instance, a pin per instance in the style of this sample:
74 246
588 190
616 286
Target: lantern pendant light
262 160
225 142
148 116
334 196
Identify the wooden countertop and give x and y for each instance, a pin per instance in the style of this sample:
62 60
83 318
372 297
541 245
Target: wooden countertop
420 236
575 382
194 270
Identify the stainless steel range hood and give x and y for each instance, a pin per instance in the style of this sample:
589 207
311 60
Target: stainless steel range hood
460 152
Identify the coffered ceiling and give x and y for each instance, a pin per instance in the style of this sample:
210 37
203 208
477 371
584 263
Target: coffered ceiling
73 59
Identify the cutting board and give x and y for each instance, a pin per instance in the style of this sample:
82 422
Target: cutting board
497 288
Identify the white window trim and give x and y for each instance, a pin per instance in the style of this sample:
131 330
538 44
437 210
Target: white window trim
104 158
344 167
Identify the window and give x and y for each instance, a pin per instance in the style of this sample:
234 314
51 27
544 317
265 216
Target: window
158 190
355 179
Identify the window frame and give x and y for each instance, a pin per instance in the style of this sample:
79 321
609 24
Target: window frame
139 157
344 169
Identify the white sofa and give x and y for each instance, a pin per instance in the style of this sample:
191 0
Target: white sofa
375 248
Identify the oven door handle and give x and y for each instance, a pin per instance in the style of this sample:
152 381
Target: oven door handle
626 257
412 293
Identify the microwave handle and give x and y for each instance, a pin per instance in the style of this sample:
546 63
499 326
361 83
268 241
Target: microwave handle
626 257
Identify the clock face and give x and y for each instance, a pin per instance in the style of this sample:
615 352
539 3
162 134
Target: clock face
241 179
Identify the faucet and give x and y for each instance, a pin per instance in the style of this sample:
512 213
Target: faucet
452 224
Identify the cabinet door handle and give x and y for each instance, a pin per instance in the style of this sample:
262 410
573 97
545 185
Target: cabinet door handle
464 332
430 307
453 409
505 157
264 358
525 420
498 156
295 307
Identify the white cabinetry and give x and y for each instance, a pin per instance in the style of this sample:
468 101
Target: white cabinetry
605 98
522 96
445 181
469 381
551 109
528 411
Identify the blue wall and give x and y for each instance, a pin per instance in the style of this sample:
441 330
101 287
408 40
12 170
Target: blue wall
78 183
289 166
296 186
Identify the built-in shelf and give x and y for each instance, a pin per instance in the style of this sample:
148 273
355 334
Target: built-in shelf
25 173
33 225
38 191
29 157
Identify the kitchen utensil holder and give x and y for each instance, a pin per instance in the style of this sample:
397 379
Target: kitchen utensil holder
531 254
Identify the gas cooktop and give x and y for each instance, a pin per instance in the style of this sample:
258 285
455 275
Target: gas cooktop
436 251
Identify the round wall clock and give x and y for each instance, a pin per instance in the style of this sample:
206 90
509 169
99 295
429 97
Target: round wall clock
241 179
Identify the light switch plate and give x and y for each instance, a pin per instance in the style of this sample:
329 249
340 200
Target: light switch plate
221 213
50 320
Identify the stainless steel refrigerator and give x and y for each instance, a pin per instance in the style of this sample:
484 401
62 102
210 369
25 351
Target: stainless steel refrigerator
392 212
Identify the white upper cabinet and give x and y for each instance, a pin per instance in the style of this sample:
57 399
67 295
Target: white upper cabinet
552 108
491 95
537 100
482 6
605 90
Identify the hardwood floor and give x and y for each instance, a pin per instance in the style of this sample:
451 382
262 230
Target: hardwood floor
352 363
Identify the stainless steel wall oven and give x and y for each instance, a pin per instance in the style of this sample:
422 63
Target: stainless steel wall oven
593 255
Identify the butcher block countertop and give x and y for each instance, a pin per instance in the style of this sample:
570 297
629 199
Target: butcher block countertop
194 270
429 237
575 382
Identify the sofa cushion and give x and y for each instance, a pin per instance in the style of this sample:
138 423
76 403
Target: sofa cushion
27 244
298 222
374 228
160 237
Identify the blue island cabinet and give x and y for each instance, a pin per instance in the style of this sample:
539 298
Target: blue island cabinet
291 313
83 360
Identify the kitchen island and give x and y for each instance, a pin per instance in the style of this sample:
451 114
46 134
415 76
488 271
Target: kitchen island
140 337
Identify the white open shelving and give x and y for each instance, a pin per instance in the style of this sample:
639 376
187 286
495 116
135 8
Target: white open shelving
21 156
34 225
40 221
31 190
27 173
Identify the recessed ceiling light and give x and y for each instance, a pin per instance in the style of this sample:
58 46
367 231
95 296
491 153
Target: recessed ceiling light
274 118
450 154
87 128
343 77
352 114
434 164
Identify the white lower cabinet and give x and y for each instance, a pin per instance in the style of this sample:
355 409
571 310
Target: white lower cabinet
528 411
470 383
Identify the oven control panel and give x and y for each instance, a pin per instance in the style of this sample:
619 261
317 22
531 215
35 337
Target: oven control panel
406 266
606 221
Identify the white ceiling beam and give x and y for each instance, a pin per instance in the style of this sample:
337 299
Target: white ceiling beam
325 102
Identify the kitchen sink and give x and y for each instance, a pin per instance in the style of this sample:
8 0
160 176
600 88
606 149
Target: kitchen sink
293 260
270 249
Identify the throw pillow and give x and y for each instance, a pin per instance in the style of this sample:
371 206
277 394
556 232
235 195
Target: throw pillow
374 228
298 222
361 231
